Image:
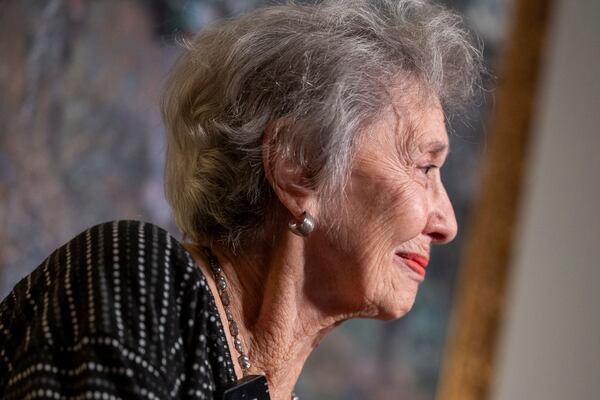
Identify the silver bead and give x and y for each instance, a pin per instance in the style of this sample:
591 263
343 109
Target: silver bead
228 314
221 283
233 328
294 397
244 362
225 299
238 345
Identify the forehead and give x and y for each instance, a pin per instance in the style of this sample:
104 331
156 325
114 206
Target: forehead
415 123
426 122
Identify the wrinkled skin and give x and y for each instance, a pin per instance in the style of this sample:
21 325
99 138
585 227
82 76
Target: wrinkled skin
395 202
288 294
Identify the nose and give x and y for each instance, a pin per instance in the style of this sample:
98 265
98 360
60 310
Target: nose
441 224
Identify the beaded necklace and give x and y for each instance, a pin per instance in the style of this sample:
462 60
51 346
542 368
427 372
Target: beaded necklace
250 386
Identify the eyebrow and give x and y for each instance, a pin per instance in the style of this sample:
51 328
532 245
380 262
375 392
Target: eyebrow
436 147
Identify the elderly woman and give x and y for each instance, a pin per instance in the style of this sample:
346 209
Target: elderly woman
303 166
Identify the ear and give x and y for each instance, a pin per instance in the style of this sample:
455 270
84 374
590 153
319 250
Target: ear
287 178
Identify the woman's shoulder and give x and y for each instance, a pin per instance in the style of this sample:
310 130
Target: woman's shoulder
127 286
124 279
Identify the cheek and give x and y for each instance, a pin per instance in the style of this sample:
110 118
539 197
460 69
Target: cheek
408 213
384 205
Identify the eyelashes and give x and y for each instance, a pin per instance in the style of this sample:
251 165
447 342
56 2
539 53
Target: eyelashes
426 169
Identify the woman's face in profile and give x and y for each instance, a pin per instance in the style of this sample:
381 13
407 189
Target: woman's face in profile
395 207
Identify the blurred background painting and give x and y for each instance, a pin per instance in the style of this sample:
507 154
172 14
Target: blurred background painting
81 142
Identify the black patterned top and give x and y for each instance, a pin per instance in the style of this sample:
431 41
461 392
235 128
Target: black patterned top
119 312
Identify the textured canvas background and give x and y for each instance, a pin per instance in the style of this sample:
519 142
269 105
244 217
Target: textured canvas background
81 142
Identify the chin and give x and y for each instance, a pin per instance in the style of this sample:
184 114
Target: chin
397 310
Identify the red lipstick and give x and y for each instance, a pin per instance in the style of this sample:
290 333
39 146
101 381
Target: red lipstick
416 262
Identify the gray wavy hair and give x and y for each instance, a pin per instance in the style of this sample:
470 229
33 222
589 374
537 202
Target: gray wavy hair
326 70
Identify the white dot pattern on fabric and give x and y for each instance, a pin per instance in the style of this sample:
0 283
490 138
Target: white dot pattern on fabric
119 312
90 282
69 292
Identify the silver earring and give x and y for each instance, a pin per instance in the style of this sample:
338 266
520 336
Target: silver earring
305 227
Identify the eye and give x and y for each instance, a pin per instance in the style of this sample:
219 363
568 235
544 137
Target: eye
428 168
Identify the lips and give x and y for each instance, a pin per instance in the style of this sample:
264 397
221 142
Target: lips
416 262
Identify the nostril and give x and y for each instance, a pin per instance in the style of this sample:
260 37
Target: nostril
438 237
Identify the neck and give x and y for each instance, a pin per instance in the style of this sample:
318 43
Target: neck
278 324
